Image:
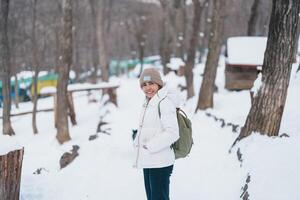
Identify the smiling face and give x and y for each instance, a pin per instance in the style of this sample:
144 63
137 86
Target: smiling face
150 89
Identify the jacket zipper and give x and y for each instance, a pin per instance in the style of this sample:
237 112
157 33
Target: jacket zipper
141 125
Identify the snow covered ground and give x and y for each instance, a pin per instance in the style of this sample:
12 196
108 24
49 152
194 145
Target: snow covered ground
103 169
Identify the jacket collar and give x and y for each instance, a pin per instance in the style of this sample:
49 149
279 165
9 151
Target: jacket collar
162 93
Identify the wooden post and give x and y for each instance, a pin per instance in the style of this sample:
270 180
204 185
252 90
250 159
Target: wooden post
10 174
112 95
72 113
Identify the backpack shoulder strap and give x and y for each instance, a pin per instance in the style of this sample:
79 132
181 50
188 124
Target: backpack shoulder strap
180 110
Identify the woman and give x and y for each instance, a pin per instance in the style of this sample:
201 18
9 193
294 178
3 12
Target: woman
155 135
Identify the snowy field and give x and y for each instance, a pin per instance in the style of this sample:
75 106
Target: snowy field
103 170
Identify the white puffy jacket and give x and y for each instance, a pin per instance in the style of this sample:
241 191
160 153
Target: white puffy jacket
157 133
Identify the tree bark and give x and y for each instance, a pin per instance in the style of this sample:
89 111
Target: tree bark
165 39
10 174
17 97
5 68
102 42
95 43
205 29
296 43
181 25
72 113
266 112
62 84
188 72
36 66
206 93
254 16
76 65
57 50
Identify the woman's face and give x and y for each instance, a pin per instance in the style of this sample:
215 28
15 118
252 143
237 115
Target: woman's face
150 89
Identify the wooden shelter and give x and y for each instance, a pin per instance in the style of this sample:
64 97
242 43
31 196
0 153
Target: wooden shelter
244 58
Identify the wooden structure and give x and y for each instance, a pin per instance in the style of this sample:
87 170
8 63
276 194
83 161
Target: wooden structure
10 174
244 58
106 89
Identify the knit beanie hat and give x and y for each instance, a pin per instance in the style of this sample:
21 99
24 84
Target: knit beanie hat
151 74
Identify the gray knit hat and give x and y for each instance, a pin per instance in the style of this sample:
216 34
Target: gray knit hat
151 74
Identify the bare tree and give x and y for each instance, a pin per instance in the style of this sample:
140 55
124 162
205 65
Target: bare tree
198 7
297 43
17 97
266 111
205 30
102 40
5 68
95 43
12 36
36 65
259 16
172 31
166 39
137 26
76 40
254 17
62 84
180 22
206 94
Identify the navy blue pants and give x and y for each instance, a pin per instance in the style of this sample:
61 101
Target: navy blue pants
157 182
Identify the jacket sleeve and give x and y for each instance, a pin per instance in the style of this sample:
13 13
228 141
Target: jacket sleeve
170 131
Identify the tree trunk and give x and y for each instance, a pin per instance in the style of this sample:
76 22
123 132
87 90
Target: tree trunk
72 113
95 44
253 21
205 29
10 174
266 112
17 97
57 50
62 84
165 40
35 62
57 32
141 47
35 101
206 93
181 25
5 68
296 43
102 42
188 72
76 66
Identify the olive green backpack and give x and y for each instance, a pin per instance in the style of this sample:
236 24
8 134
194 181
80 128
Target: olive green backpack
183 145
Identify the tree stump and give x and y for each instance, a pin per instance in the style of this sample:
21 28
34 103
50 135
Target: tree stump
10 174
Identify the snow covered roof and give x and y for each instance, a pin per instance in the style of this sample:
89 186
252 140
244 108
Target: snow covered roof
246 50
